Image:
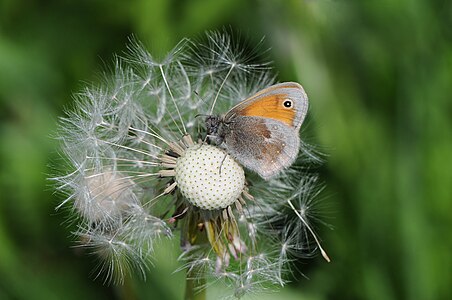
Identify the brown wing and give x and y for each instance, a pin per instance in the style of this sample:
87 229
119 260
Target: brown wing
265 146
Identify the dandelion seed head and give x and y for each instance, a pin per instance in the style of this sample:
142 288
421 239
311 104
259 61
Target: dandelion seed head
139 170
208 177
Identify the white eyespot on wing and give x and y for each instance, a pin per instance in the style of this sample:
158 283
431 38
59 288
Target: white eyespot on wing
287 103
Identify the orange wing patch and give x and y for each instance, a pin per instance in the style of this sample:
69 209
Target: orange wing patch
272 107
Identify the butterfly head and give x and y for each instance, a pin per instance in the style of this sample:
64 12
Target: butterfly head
213 126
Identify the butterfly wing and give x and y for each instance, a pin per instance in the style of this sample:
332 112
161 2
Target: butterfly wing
262 145
261 132
285 102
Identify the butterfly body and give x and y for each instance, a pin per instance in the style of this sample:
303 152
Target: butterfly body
262 132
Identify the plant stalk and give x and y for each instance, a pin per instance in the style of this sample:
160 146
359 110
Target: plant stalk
195 285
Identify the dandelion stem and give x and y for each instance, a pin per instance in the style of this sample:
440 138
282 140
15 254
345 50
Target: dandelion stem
195 284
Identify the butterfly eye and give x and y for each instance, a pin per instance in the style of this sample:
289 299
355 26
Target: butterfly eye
287 103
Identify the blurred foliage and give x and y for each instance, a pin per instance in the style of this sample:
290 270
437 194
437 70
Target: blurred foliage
379 77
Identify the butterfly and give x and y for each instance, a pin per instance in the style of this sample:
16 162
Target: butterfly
262 131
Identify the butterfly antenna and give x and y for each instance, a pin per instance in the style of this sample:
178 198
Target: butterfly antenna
199 97
201 115
323 252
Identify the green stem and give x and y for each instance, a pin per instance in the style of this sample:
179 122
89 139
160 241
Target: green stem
195 285
195 282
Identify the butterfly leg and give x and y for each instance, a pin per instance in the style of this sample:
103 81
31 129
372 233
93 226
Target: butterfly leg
221 164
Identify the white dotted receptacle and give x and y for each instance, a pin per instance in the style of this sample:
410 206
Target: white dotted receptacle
208 177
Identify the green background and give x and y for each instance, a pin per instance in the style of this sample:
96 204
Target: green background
379 77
